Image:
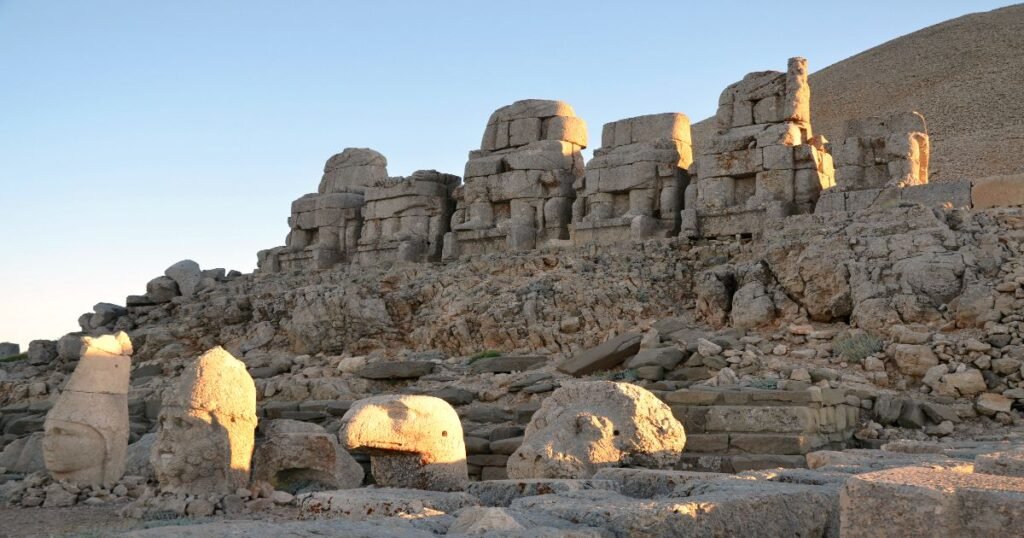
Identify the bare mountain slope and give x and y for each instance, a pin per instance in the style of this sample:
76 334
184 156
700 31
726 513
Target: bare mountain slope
965 75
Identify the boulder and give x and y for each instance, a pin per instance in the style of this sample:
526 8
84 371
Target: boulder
187 275
300 456
413 441
585 426
914 360
41 352
161 290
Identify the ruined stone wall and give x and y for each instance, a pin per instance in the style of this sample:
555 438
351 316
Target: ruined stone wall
764 161
633 188
518 190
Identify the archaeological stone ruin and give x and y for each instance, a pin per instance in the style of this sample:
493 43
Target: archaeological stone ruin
764 332
86 432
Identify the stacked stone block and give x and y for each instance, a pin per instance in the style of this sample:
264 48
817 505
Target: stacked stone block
325 226
633 187
764 160
733 429
883 162
405 219
881 152
518 190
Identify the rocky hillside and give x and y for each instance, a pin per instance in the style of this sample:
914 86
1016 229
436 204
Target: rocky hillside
965 75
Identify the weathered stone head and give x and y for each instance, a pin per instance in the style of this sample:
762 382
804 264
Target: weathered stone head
585 426
413 441
207 427
86 431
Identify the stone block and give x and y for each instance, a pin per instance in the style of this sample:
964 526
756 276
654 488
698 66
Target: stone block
761 419
998 191
771 443
607 355
511 363
920 501
946 194
503 492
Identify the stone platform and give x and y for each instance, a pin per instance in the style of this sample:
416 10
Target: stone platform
735 430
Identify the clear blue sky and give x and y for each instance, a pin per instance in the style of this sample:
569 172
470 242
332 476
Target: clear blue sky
135 134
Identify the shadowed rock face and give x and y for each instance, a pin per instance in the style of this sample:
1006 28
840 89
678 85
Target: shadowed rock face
413 441
86 432
585 426
205 440
296 456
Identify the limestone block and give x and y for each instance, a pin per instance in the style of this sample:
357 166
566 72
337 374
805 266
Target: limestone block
566 128
734 163
775 185
207 425
378 503
298 456
353 170
503 492
609 354
1008 463
187 275
413 441
545 155
86 431
738 418
584 426
920 501
523 131
998 191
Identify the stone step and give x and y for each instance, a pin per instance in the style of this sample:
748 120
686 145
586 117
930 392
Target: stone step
737 463
811 397
766 419
762 443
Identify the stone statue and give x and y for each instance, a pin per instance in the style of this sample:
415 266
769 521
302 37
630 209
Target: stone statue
207 427
86 431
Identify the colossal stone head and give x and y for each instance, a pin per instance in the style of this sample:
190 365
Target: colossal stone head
585 426
413 441
86 432
207 425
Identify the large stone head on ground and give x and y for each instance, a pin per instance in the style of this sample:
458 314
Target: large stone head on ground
413 441
585 426
207 422
86 431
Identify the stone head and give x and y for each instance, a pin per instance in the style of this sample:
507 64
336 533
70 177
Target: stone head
584 426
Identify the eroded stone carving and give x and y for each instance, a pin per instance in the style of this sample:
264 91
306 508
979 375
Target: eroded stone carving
764 161
413 441
86 431
518 190
879 152
405 218
634 185
207 426
585 426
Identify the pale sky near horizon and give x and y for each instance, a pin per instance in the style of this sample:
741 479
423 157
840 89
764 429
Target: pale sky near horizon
137 134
